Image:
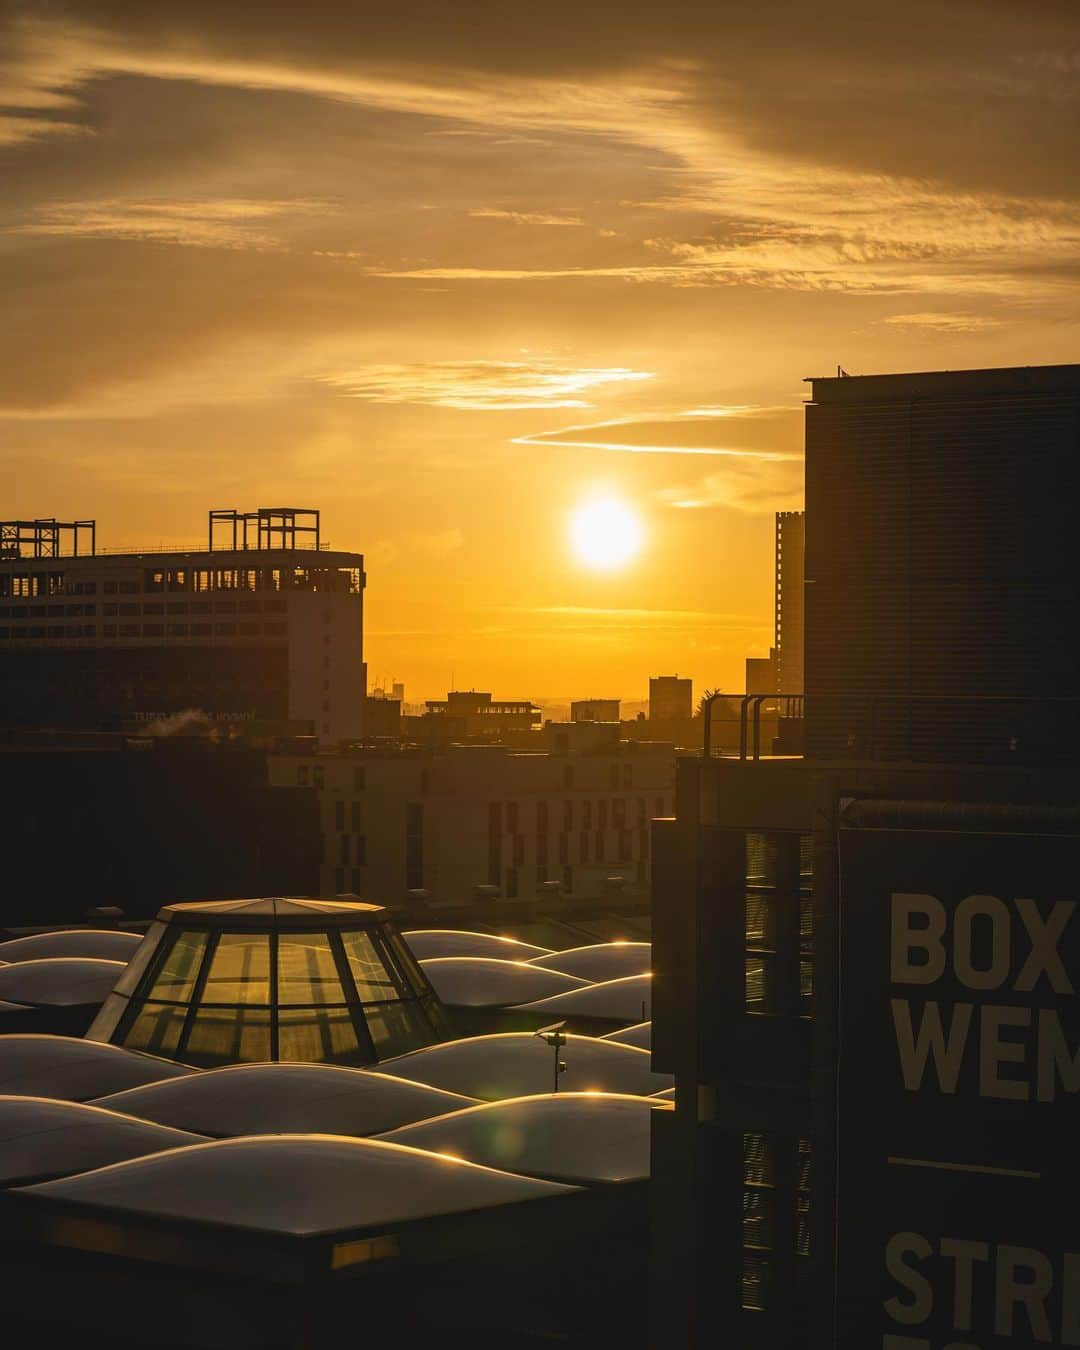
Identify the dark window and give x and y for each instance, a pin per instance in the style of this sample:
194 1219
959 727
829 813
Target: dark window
618 813
178 630
355 816
519 849
568 879
564 848
343 848
511 817
109 588
358 780
153 579
357 881
225 629
541 818
339 816
599 846
625 849
153 608
583 850
200 630
494 843
250 630
642 811
586 815
601 815
614 771
511 883
568 815
153 630
339 880
302 774
627 775
359 849
568 776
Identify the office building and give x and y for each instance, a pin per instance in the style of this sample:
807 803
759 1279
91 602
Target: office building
264 625
790 550
761 673
671 699
863 958
438 823
472 713
594 710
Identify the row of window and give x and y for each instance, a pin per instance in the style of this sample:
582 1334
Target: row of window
26 585
591 846
146 630
341 580
48 611
779 924
776 1209
508 818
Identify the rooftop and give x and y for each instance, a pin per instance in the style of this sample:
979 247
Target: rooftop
934 384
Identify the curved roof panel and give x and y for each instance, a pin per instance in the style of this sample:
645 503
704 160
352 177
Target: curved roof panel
272 912
280 1098
640 1034
431 942
40 1138
105 944
59 981
484 982
600 960
296 1184
71 1069
668 1095
519 1064
626 1000
568 1136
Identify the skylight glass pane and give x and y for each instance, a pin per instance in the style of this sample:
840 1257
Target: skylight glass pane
239 970
397 1027
317 1035
307 972
228 1036
176 977
156 1029
373 981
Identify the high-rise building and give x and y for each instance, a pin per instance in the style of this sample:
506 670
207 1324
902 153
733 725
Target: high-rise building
790 548
863 960
761 673
265 624
670 698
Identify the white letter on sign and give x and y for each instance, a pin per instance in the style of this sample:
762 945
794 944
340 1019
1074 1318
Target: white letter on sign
1045 936
906 939
920 1288
985 907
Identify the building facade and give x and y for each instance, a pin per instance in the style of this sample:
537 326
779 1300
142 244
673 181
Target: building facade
594 710
671 699
445 822
863 958
265 625
790 602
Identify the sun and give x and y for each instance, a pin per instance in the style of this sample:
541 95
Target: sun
606 533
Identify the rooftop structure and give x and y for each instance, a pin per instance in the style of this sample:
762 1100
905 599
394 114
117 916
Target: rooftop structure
252 980
263 625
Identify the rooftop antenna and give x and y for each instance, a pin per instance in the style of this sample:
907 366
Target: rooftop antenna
554 1036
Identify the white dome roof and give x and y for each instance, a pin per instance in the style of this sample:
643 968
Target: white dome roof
282 1098
519 1064
640 1034
483 982
103 944
42 1138
59 981
570 1136
297 1184
71 1069
624 1000
600 961
429 942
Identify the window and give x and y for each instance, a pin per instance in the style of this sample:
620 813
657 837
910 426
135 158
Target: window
153 630
239 970
601 816
618 813
511 817
564 848
153 579
568 880
302 774
583 850
568 776
153 608
519 849
599 846
494 843
318 776
370 971
586 815
358 779
359 849
627 775
541 818
356 816
568 815
511 883
225 629
625 848
614 775
758 1179
339 816
357 881
307 972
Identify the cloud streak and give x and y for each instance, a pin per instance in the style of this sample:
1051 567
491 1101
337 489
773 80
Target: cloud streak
481 386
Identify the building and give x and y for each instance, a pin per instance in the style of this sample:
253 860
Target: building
263 625
861 957
438 823
670 699
761 673
790 551
471 713
594 710
139 822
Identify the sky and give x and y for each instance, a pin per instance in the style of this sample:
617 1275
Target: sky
451 271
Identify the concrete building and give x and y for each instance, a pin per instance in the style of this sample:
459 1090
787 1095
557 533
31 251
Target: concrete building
857 955
761 673
446 821
264 625
671 699
594 710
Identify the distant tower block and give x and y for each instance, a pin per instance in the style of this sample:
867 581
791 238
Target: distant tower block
790 572
670 698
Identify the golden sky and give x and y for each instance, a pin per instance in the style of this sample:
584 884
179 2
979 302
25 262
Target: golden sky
448 271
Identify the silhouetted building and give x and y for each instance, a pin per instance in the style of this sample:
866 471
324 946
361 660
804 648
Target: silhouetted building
863 960
471 713
790 605
442 822
382 716
594 710
264 625
138 823
670 698
761 673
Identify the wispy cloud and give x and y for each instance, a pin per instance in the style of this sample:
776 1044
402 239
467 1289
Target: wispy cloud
523 217
933 322
488 386
210 223
680 435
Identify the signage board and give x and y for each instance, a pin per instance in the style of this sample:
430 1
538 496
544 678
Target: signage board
958 1206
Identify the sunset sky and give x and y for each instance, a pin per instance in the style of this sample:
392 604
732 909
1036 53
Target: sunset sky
451 271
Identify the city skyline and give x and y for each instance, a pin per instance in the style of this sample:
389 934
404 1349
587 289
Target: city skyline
454 280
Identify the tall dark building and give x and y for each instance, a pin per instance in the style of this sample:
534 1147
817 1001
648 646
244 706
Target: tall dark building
865 960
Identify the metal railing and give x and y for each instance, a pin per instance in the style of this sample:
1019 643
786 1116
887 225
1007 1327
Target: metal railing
781 707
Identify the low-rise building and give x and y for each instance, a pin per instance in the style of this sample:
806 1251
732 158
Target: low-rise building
444 822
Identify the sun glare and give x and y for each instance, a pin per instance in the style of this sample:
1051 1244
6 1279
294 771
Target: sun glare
606 533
